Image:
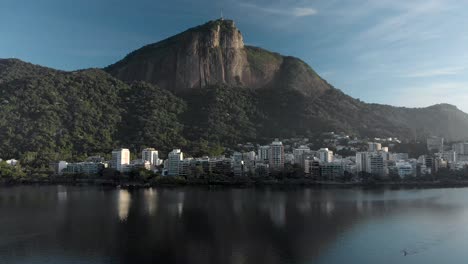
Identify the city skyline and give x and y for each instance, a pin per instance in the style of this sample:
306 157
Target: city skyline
389 52
361 157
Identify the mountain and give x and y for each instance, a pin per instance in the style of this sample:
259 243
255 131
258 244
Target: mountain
292 98
215 54
199 90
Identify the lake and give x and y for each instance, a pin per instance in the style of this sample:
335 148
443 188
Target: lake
66 224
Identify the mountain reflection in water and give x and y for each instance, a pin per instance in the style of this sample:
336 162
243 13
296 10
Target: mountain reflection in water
201 225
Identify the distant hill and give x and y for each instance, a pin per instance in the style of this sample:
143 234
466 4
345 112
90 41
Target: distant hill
199 90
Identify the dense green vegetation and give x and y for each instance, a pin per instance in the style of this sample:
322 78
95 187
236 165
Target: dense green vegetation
47 113
221 114
150 118
8 172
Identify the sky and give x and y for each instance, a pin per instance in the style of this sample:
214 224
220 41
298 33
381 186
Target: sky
398 52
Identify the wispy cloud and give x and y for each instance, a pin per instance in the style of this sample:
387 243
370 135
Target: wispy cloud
289 11
434 72
410 22
303 11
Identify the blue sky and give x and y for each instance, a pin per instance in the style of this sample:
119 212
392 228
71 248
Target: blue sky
405 53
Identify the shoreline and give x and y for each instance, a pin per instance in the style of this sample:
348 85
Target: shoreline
238 183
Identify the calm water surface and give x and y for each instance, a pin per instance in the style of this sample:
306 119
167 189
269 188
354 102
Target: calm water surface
58 224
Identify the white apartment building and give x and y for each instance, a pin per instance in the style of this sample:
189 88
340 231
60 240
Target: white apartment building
371 162
120 159
325 155
299 153
276 155
151 155
361 161
264 154
173 162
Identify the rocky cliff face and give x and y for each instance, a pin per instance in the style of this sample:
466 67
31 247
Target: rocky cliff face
206 55
213 54
209 55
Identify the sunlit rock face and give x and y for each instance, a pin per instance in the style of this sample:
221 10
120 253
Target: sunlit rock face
210 55
214 53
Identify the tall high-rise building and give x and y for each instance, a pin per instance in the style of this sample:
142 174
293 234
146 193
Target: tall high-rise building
249 161
376 164
435 144
299 153
325 155
174 159
151 155
371 162
264 154
361 162
120 159
311 166
238 164
276 155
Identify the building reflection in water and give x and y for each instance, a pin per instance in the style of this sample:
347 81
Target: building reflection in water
278 214
62 194
211 226
151 200
237 201
174 202
304 205
329 207
275 204
180 203
124 202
